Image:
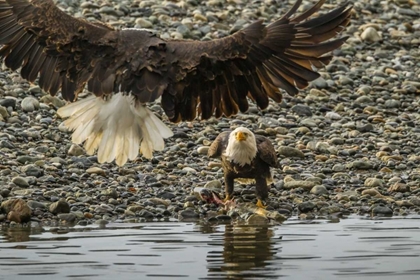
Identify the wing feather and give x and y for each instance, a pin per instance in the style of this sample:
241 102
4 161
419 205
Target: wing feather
260 58
194 78
219 145
266 151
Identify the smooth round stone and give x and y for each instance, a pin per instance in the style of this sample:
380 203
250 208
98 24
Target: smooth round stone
373 182
188 214
370 35
21 182
319 190
382 211
306 206
290 152
29 104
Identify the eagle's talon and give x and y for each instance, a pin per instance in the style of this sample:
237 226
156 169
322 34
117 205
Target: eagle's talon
227 198
260 204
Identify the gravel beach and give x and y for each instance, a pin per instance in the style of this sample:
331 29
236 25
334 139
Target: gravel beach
348 144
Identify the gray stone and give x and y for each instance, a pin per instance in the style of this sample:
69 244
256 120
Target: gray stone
302 110
361 164
76 150
370 35
319 190
382 211
21 182
188 214
307 185
306 206
373 182
61 206
67 217
32 170
290 152
29 104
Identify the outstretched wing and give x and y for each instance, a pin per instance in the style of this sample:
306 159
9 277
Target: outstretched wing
48 43
216 77
219 145
211 77
266 151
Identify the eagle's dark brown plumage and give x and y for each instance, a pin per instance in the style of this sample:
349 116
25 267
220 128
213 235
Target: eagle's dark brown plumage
246 157
205 78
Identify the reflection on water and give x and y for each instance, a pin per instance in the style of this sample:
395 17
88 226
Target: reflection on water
242 249
350 249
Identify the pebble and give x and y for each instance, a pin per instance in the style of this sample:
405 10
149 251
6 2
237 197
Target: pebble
29 104
76 150
370 35
307 185
290 152
319 190
21 182
382 211
60 206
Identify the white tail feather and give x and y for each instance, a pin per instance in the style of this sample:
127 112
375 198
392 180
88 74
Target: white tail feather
115 128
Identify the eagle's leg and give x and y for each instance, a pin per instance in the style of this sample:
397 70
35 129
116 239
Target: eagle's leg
229 181
262 191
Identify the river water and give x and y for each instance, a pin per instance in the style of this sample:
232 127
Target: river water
352 248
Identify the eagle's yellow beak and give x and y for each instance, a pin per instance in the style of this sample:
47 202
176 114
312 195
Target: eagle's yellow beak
240 136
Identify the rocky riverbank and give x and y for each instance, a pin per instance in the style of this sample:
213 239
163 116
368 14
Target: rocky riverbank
348 144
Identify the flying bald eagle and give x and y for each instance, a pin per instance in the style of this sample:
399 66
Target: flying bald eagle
125 69
245 157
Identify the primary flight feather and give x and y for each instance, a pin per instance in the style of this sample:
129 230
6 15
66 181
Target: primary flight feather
125 69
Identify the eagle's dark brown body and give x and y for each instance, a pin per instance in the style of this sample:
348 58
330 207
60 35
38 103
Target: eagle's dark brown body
193 78
258 170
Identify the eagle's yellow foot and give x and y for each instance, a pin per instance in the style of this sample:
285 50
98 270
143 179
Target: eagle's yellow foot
260 204
227 198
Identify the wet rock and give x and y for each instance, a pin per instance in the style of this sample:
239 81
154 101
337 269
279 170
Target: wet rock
255 219
17 210
306 206
67 217
146 214
188 214
61 206
382 211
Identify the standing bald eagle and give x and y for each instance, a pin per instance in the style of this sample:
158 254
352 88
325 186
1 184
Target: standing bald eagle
125 69
246 157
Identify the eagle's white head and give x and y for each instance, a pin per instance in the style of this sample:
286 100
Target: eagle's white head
242 146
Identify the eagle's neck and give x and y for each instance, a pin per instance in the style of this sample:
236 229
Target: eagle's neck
240 152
